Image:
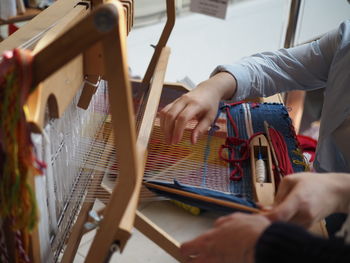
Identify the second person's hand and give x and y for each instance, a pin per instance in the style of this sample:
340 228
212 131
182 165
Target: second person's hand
305 198
200 104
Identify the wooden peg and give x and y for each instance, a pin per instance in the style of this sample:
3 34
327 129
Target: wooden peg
90 86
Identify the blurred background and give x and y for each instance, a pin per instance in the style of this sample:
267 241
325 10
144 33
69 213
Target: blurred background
199 42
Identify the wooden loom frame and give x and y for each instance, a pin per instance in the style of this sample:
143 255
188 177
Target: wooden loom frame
154 78
93 36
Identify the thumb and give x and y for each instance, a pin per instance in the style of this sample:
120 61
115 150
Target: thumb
287 185
284 190
285 210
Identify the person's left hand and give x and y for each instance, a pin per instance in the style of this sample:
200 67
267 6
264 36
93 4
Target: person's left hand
232 240
306 198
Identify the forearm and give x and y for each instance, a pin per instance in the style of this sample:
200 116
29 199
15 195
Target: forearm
268 73
282 242
300 68
223 85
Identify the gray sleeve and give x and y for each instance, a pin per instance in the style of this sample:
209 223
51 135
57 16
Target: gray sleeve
303 67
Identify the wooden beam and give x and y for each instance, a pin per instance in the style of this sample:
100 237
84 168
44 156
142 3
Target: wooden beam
158 236
123 122
34 29
207 199
171 14
153 102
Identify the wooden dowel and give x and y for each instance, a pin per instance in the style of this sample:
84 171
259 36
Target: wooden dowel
158 236
171 11
203 198
118 217
150 111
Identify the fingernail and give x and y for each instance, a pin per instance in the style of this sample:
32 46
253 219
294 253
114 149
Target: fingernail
267 208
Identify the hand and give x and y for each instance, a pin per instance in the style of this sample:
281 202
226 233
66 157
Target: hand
232 240
200 104
305 198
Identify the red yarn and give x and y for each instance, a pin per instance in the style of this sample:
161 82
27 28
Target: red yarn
281 151
233 143
307 144
230 144
12 29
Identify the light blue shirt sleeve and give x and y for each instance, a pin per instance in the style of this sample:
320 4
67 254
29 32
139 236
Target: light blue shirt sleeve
324 63
304 67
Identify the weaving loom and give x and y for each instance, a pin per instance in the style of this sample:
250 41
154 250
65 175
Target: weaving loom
102 156
80 147
200 169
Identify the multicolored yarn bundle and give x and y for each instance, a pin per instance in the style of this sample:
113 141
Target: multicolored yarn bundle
17 160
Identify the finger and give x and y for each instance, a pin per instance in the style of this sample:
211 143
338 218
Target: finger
266 210
302 220
201 127
198 246
284 190
187 114
229 218
191 249
222 220
163 113
170 119
286 210
236 218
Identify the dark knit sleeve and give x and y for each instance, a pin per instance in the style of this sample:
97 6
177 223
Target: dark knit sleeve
282 242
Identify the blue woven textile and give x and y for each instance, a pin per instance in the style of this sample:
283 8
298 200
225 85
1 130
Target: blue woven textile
277 116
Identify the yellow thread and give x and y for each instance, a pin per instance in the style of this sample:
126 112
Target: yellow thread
192 209
26 111
303 163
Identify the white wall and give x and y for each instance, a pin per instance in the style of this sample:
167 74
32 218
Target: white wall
319 16
199 42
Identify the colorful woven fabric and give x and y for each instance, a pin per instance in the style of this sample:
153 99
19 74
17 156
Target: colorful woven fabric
199 169
17 161
277 116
